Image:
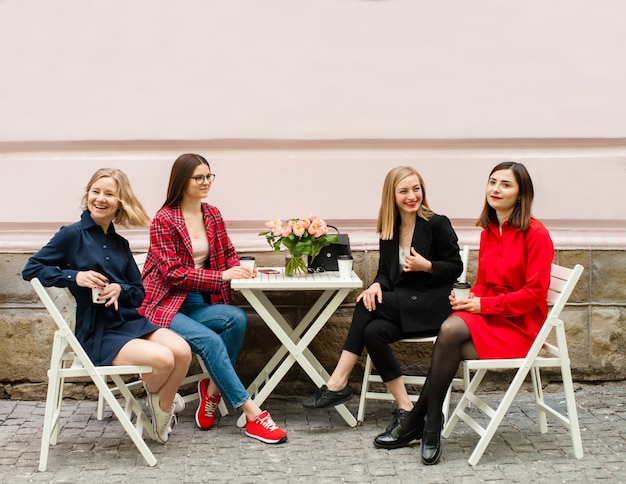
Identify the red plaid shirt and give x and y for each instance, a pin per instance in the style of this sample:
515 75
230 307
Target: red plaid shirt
169 272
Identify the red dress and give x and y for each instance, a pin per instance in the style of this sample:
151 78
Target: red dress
512 282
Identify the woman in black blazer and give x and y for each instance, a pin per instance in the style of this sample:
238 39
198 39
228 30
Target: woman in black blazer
419 262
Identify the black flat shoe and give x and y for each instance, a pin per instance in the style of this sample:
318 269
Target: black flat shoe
398 417
397 438
325 398
431 446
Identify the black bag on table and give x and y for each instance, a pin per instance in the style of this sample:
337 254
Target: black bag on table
327 258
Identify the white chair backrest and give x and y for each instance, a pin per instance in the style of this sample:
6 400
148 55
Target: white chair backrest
140 260
59 303
562 283
465 259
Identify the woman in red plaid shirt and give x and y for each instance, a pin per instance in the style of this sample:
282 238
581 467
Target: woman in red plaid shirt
186 276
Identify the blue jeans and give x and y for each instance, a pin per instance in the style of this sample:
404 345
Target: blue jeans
215 332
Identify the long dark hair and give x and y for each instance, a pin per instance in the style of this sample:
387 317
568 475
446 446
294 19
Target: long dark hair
182 170
521 215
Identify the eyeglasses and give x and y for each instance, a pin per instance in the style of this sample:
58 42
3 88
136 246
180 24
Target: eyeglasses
318 270
200 178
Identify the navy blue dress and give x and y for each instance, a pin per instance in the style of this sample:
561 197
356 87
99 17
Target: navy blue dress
84 246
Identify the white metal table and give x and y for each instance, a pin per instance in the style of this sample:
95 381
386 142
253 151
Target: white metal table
295 341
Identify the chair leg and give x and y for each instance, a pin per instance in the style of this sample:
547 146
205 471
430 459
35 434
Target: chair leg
446 404
48 423
464 402
568 388
364 388
133 431
54 399
497 417
572 412
100 409
535 375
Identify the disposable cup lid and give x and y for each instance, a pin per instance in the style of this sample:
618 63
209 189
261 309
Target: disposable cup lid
462 285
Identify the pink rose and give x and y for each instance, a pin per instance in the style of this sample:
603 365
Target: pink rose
298 230
315 229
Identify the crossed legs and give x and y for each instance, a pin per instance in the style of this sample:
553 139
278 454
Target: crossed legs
453 344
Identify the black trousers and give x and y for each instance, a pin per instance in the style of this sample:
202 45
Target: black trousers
376 330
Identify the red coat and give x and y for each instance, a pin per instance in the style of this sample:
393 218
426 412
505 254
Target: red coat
169 273
512 281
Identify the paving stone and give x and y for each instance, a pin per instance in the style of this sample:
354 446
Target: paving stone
321 447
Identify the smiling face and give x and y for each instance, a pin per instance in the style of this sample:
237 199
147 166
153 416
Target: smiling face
502 193
102 201
195 190
408 195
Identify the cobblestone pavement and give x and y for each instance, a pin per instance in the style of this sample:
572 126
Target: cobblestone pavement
321 447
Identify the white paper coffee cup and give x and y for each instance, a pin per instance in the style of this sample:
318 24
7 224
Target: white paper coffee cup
345 263
247 261
95 294
461 290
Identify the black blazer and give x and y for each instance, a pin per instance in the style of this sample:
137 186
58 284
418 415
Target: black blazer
422 296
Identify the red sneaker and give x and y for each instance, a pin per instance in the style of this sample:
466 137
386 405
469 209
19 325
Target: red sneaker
207 407
264 429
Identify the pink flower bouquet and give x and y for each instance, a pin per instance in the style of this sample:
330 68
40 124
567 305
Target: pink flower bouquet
301 236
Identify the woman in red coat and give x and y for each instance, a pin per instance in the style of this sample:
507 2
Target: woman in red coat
504 312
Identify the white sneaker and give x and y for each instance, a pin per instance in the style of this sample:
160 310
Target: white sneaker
179 403
161 421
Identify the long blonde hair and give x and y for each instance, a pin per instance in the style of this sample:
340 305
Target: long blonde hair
130 211
388 213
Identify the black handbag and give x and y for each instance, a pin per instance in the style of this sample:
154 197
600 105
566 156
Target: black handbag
327 258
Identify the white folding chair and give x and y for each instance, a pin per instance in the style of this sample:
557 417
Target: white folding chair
69 360
563 281
140 260
368 393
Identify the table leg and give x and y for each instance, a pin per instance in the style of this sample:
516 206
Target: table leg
297 352
259 298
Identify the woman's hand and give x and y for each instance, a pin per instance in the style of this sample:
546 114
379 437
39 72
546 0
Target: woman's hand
111 293
415 262
91 279
238 272
370 296
470 305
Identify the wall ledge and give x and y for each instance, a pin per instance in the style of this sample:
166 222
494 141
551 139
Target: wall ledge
608 145
566 234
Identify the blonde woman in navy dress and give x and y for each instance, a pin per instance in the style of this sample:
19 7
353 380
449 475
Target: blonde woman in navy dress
90 254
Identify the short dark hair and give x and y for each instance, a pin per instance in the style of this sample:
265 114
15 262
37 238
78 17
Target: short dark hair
521 215
182 170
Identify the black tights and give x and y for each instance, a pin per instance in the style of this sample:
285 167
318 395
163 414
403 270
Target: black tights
453 344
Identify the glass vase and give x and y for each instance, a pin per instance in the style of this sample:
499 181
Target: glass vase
296 266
